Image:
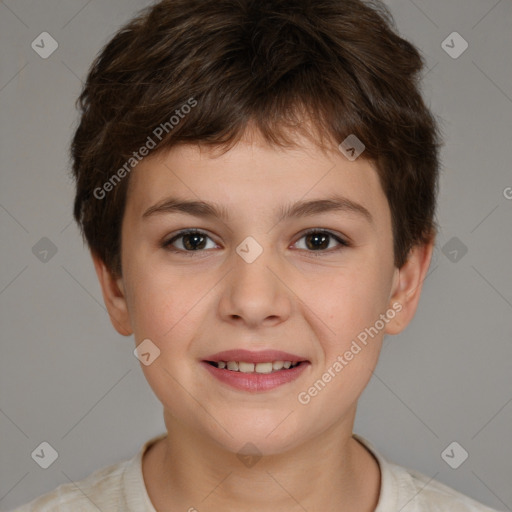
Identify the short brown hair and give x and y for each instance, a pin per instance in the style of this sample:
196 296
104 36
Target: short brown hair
273 64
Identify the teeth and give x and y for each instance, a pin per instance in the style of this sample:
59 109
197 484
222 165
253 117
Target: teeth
245 367
264 368
267 367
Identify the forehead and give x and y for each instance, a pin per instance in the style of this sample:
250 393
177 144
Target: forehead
255 176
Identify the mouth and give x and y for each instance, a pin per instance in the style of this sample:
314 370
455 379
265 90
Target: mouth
255 371
261 368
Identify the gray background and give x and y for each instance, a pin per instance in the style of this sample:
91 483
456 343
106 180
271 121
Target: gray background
66 377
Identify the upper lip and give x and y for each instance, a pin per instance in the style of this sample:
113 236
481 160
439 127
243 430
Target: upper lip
247 356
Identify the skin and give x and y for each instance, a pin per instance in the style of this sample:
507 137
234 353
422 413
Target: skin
294 298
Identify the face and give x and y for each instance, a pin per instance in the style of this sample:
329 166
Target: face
290 258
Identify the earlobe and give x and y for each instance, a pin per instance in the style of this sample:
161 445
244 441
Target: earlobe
114 297
407 286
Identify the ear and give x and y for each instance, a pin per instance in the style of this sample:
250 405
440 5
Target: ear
114 297
407 286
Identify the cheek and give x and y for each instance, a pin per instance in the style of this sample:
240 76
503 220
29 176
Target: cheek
163 309
159 301
350 301
154 311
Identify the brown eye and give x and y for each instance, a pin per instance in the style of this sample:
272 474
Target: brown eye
322 241
189 241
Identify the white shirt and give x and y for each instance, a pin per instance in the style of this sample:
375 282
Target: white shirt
120 487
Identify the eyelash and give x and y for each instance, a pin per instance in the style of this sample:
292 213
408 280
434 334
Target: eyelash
168 243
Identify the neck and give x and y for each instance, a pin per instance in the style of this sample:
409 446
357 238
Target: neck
188 471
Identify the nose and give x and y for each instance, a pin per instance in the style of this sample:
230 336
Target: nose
255 293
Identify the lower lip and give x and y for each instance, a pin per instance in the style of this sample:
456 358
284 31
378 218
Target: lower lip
255 381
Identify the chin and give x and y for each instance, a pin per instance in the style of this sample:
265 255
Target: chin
258 437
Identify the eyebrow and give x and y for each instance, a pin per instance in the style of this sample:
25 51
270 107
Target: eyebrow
299 209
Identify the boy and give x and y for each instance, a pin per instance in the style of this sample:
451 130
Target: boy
256 181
